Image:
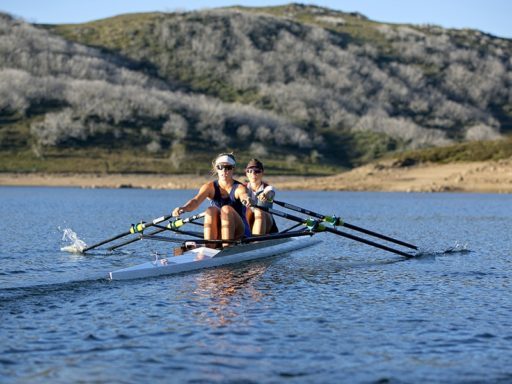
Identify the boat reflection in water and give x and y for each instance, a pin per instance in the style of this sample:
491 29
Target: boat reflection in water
224 289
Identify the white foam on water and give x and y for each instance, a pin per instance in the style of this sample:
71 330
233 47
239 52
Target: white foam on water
76 246
459 248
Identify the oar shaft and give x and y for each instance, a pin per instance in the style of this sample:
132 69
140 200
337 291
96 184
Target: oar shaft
337 232
161 238
199 235
284 215
163 229
346 225
176 240
246 240
380 236
145 225
274 236
368 242
299 209
105 241
133 240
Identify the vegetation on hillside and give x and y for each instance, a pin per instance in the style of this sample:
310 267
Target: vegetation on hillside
468 151
295 84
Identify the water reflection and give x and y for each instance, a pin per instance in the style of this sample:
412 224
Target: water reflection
225 289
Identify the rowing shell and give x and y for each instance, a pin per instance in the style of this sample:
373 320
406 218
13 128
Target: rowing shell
202 257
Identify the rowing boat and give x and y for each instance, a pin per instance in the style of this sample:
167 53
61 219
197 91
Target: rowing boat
203 257
194 255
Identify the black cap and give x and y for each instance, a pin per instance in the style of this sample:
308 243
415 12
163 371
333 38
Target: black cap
254 163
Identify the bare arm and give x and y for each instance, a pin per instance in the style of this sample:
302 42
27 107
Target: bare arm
268 193
242 195
194 203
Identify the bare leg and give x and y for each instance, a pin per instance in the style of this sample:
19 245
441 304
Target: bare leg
211 225
232 226
262 222
249 215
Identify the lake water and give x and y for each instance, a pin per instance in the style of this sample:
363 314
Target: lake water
338 312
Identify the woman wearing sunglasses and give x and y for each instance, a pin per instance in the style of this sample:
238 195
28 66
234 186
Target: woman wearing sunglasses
261 222
226 217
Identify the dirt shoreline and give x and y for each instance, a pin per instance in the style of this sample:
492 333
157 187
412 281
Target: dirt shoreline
484 177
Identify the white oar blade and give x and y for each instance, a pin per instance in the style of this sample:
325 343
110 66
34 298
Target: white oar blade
76 246
72 249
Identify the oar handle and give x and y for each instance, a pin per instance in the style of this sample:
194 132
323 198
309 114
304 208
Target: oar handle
180 222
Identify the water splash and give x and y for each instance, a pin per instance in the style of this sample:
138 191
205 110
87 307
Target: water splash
457 248
76 246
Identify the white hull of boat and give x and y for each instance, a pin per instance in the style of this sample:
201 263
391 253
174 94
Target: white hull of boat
203 257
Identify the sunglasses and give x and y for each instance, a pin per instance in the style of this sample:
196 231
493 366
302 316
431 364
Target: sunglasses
221 167
255 171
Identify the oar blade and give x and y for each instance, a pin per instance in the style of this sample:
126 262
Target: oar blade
77 245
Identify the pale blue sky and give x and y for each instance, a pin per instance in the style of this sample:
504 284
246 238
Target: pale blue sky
491 16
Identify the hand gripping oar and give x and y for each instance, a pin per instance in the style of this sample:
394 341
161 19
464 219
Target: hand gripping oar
334 221
135 228
316 226
173 225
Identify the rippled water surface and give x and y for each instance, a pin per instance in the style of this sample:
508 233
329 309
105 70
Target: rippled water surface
338 312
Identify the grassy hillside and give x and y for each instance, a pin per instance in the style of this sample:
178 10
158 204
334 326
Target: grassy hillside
471 151
309 89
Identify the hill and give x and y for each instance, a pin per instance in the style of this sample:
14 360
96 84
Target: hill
310 89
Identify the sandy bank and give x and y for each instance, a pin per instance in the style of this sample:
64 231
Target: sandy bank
489 177
119 180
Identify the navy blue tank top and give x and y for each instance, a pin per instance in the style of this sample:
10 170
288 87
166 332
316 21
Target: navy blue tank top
219 201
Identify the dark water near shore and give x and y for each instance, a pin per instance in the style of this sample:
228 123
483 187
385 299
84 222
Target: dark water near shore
338 312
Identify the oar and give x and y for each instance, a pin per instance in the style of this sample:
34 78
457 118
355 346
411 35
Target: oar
133 240
175 224
315 226
274 236
139 228
333 220
135 228
172 226
245 240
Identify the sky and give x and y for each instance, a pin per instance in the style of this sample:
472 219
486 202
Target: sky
490 16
